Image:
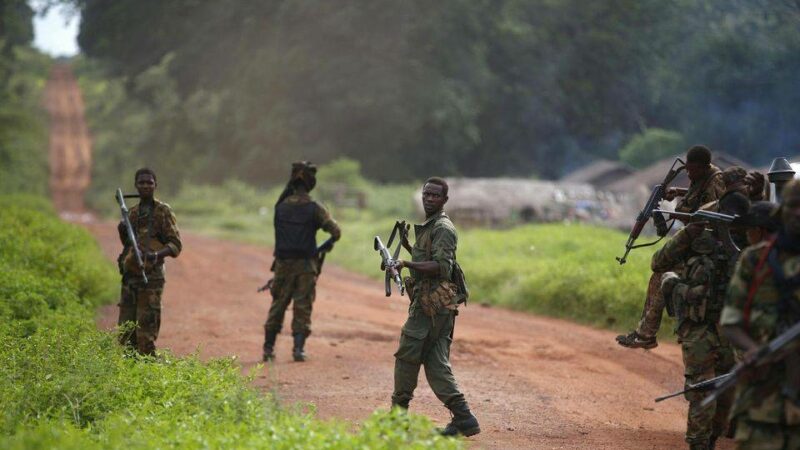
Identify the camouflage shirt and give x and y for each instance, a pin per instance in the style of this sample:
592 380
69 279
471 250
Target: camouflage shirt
702 191
760 399
155 227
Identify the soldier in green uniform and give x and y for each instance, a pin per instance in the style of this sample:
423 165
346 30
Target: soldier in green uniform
762 301
428 332
157 233
706 185
696 294
297 263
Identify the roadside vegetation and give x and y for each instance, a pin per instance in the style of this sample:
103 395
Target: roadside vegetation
65 384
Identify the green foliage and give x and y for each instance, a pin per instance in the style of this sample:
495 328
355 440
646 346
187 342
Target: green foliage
650 146
23 136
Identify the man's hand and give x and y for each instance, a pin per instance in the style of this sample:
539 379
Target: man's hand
156 258
755 185
670 194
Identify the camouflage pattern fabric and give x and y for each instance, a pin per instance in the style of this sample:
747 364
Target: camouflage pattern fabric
141 304
295 280
427 334
770 420
706 354
155 227
764 436
702 191
697 300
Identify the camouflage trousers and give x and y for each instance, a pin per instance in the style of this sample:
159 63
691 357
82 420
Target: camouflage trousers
289 285
705 355
141 304
653 308
766 436
426 342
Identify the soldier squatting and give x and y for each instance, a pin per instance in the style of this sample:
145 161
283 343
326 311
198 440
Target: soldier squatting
726 306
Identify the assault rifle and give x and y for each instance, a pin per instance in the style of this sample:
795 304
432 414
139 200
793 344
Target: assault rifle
653 202
702 386
389 261
722 224
766 354
129 229
319 253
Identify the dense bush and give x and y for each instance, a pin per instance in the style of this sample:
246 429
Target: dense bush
64 384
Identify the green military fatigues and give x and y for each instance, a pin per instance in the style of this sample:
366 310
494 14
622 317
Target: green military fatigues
766 420
700 192
155 227
697 296
296 278
428 332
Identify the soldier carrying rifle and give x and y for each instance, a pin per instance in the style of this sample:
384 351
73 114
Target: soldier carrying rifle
762 303
297 258
149 234
428 331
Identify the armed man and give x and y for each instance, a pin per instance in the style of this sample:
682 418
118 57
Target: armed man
762 302
155 230
706 185
703 260
428 331
298 260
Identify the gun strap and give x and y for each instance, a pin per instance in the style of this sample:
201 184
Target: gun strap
757 282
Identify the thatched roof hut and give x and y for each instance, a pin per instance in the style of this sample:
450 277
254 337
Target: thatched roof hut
496 201
600 174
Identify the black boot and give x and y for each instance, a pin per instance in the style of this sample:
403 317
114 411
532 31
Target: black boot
269 344
297 351
463 422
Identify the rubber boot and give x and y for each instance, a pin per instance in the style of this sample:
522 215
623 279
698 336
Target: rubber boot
297 351
269 344
463 422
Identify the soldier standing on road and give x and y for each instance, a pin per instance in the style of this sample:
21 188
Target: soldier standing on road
706 185
762 302
297 263
696 294
428 332
156 231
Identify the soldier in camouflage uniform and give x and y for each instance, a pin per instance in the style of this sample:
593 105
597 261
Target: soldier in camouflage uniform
297 264
428 332
706 185
696 294
157 233
762 301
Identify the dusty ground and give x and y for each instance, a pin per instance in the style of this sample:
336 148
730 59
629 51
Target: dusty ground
533 382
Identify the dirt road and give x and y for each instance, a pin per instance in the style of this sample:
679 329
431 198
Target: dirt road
533 382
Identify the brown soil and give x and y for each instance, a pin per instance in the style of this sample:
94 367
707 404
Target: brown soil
533 382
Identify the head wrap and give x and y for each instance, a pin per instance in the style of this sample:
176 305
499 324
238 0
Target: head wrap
304 173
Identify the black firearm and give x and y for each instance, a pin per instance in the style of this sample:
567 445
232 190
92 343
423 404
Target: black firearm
319 252
129 229
389 261
772 352
702 386
653 202
721 222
